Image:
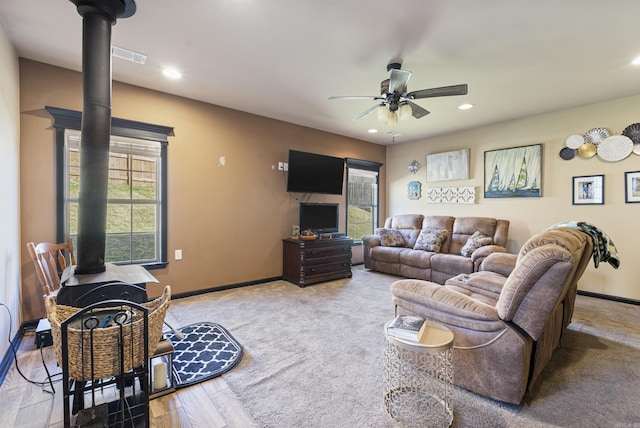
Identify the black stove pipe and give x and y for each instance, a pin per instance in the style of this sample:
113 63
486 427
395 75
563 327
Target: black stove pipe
98 18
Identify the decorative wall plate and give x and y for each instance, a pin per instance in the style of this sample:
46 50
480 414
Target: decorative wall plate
574 141
587 150
414 166
636 148
567 153
632 131
596 135
615 148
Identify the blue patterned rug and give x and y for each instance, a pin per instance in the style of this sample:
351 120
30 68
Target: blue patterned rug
206 351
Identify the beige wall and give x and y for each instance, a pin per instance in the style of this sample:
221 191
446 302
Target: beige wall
531 215
228 219
9 192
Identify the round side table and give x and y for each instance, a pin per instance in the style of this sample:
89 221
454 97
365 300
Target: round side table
418 378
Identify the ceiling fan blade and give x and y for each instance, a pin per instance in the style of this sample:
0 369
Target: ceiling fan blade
358 97
417 111
443 91
368 111
398 80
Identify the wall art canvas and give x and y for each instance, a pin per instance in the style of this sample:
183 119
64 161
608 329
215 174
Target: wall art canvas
513 173
446 166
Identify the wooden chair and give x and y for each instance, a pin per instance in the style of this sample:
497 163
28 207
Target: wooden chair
50 260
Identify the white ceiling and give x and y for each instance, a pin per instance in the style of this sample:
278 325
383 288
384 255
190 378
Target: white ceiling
283 59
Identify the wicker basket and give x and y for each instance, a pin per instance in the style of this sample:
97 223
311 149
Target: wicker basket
106 358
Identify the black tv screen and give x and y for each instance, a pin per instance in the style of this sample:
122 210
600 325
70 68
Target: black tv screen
319 217
314 173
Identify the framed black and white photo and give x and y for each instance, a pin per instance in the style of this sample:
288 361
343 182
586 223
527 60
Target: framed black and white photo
588 190
632 186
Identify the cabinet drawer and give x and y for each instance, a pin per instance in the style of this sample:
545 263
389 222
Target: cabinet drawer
321 269
336 258
311 254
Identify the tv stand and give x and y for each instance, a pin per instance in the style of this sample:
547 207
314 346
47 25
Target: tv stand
310 262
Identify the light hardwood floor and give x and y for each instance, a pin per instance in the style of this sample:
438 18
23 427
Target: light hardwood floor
209 404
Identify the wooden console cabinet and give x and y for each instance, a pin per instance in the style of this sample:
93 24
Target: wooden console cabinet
309 262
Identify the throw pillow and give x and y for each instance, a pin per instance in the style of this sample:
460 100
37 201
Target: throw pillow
430 240
474 242
391 238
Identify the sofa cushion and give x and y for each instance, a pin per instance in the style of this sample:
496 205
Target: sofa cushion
464 227
391 238
486 284
430 240
440 222
474 242
404 221
387 254
416 258
450 265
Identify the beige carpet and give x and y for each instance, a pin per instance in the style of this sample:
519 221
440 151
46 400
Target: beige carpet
313 358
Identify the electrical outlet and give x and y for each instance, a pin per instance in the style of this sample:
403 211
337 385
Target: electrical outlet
178 255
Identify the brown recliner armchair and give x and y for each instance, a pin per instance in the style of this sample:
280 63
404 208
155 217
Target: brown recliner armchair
507 322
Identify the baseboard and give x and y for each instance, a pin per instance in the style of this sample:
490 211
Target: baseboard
609 297
5 365
224 287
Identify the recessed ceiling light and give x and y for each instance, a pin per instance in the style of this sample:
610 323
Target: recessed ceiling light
636 61
172 73
466 106
372 131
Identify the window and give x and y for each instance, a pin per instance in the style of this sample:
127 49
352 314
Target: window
136 198
362 197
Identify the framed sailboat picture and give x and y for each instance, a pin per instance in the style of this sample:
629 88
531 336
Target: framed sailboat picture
513 173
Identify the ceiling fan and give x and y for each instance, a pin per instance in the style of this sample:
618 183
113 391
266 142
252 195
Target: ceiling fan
396 101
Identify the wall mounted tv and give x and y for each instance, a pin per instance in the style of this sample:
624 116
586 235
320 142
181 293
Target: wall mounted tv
314 173
319 217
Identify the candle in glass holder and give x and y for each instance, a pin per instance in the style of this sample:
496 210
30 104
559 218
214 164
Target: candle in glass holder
159 376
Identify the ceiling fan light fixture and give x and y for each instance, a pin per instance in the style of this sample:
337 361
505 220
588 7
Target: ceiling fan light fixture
383 113
392 118
405 112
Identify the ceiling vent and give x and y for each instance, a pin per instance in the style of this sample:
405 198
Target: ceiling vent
128 55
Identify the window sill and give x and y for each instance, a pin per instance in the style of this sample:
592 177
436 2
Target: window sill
148 265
